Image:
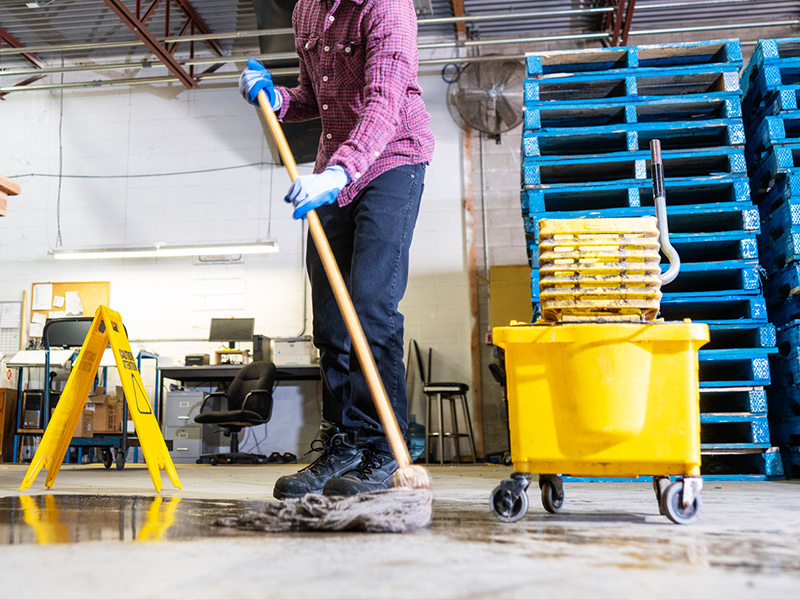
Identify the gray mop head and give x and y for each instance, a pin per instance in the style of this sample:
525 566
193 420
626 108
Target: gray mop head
389 511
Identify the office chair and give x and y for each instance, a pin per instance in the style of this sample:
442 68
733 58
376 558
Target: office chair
248 402
441 391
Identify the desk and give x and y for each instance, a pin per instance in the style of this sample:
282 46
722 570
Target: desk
228 372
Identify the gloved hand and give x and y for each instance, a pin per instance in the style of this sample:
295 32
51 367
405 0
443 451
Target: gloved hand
309 192
255 78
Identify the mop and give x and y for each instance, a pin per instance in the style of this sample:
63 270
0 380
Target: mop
408 504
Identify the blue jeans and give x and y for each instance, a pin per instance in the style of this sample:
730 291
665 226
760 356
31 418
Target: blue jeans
370 238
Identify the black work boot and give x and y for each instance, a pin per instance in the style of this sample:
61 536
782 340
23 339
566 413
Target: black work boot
374 472
339 455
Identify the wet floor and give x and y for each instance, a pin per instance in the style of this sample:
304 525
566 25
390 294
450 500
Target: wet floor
608 542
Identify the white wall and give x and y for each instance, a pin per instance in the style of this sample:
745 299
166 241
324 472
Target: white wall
147 130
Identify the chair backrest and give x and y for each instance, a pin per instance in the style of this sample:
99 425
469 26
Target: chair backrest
66 333
420 366
255 376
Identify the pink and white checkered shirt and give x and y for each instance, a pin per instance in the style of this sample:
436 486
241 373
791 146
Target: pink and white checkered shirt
358 72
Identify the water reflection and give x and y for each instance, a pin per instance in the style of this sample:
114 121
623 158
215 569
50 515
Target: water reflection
63 519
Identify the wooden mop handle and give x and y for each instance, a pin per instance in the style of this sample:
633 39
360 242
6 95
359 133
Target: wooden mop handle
357 337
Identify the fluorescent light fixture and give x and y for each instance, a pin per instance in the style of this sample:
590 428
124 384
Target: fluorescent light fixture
159 251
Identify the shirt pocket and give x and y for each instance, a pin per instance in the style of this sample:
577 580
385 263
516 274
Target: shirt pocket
307 50
350 64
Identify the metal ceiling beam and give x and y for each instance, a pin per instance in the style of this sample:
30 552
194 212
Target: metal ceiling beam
139 28
628 20
200 25
15 43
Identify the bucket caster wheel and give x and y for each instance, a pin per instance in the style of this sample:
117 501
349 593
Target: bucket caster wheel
673 507
509 500
120 460
105 456
660 485
552 488
214 462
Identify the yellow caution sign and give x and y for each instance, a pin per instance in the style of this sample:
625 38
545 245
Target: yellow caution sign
106 328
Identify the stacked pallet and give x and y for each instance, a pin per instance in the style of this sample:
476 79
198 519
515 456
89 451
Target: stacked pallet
772 126
589 119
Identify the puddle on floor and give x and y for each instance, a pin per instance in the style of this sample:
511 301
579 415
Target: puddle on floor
66 518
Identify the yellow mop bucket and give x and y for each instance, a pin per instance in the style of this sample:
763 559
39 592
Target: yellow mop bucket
597 388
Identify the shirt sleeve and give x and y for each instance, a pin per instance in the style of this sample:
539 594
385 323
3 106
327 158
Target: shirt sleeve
299 103
391 63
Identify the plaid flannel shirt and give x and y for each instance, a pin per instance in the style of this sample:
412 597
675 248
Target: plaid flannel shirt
358 72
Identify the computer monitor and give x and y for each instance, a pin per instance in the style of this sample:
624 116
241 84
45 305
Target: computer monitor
231 331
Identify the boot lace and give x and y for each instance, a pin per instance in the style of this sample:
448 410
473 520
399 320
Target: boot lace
370 460
328 451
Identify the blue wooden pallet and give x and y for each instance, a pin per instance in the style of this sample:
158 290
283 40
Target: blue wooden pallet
593 168
738 369
782 286
633 193
769 52
633 137
779 228
780 314
766 81
785 194
774 165
733 400
636 57
736 462
704 219
791 460
719 310
777 253
786 371
773 131
625 86
730 336
734 428
784 99
784 402
694 107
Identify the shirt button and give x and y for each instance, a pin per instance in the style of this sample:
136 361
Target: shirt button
325 78
377 153
331 19
327 48
357 175
347 49
324 107
328 135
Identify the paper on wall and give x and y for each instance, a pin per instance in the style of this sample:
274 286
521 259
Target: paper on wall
42 296
74 304
11 316
38 318
58 314
58 301
36 329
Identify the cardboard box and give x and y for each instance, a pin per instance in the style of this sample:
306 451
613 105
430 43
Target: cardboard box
84 427
106 411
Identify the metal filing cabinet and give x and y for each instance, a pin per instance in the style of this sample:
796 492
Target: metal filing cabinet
188 438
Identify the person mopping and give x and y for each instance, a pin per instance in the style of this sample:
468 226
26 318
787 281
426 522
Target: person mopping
358 73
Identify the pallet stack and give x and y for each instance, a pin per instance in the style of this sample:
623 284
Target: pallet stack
772 126
589 118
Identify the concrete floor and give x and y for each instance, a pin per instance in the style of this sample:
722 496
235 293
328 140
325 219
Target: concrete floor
609 542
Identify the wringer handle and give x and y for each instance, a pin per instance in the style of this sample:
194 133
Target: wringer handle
660 201
357 337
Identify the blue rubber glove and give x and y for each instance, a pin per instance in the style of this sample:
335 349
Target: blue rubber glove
256 78
309 192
